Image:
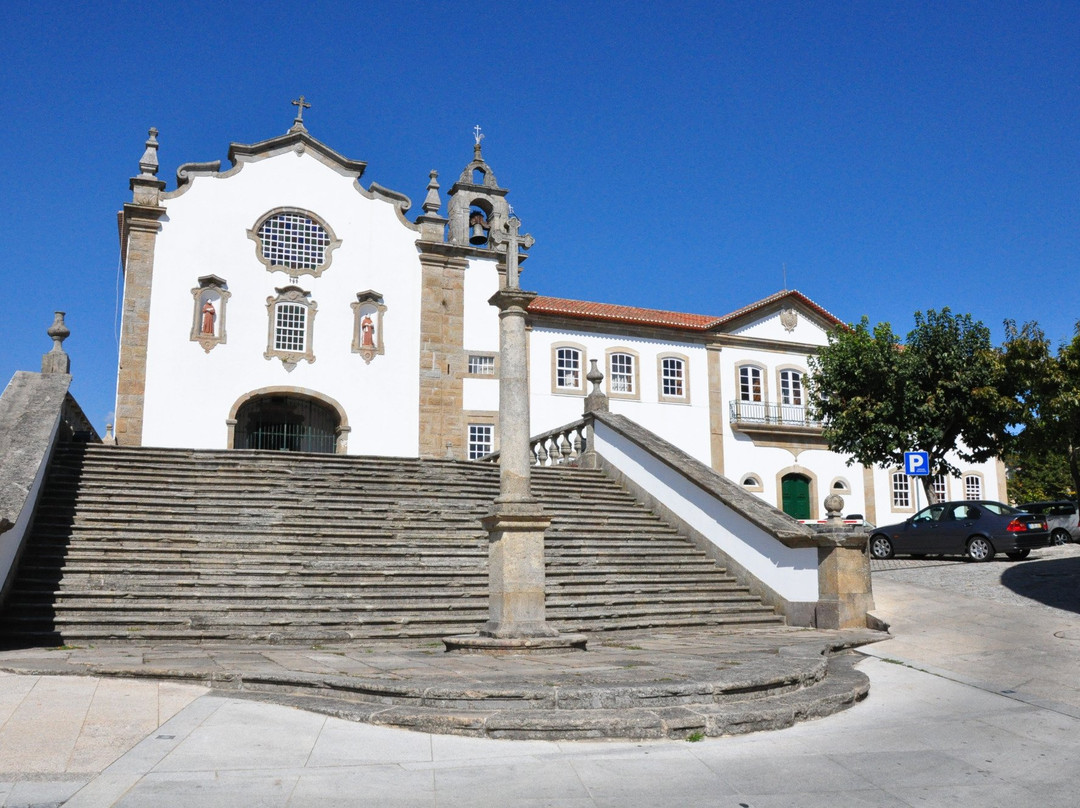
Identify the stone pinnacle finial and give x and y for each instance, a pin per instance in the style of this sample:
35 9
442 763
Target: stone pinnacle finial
596 401
148 163
432 202
57 360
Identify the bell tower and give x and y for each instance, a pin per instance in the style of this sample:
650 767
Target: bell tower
477 204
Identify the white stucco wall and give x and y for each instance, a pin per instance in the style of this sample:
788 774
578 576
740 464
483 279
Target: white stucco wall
685 424
204 232
792 572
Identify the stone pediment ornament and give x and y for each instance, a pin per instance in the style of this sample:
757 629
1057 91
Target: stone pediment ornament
789 318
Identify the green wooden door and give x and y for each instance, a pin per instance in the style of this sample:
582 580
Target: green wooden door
795 494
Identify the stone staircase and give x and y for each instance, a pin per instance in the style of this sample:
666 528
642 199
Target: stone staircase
161 544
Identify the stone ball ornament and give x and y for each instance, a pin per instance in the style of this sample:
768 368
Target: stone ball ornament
834 504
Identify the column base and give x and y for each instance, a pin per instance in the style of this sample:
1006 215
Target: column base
481 644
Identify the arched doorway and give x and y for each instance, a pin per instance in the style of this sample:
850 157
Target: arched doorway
286 422
795 495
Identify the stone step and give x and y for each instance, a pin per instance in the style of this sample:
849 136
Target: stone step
145 544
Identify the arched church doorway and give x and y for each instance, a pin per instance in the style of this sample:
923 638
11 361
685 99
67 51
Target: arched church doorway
795 495
284 422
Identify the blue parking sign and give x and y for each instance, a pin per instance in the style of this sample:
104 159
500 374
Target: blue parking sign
917 464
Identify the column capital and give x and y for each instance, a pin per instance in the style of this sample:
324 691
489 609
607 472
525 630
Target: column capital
506 299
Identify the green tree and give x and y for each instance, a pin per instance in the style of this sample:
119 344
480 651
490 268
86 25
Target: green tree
1037 475
1046 386
938 392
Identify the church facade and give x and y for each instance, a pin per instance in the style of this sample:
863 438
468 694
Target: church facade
285 303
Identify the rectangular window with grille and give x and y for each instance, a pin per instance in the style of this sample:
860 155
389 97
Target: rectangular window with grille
290 332
673 377
481 440
481 365
622 373
901 490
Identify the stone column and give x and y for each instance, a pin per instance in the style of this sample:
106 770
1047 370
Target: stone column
516 528
516 617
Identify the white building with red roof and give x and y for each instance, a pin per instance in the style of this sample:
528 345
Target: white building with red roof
284 303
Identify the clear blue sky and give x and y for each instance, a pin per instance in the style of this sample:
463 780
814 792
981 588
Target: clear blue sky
896 156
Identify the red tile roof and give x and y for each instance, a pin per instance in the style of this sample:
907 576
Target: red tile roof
609 312
810 304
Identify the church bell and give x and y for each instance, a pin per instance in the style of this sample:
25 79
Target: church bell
477 233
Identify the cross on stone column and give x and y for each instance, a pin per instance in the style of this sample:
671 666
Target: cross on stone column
511 241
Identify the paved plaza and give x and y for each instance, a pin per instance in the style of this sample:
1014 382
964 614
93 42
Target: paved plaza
974 702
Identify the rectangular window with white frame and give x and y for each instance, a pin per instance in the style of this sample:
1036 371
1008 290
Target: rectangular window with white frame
568 376
750 386
901 491
481 440
290 327
973 487
622 374
941 492
791 388
481 365
674 383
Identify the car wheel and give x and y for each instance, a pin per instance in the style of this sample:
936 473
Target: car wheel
1060 536
881 547
979 549
1018 555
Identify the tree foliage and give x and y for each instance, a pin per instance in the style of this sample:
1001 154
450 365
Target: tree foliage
1046 388
938 392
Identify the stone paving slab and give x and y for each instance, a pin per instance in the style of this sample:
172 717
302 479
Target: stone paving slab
632 685
918 740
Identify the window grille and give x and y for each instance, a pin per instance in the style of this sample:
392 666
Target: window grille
750 384
481 440
622 373
568 368
972 487
901 490
293 240
673 374
290 327
482 365
791 387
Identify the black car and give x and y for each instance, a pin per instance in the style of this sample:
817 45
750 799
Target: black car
976 528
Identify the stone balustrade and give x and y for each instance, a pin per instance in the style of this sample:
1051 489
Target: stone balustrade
562 446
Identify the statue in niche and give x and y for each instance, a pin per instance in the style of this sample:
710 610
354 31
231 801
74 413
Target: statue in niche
367 334
209 315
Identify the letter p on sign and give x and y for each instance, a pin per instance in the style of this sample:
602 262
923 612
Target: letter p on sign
917 464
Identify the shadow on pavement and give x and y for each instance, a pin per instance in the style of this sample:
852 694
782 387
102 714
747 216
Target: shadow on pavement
1052 582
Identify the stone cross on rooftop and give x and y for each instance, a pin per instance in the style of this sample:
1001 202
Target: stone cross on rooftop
513 240
300 105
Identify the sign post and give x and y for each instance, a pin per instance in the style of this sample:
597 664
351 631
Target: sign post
917 464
